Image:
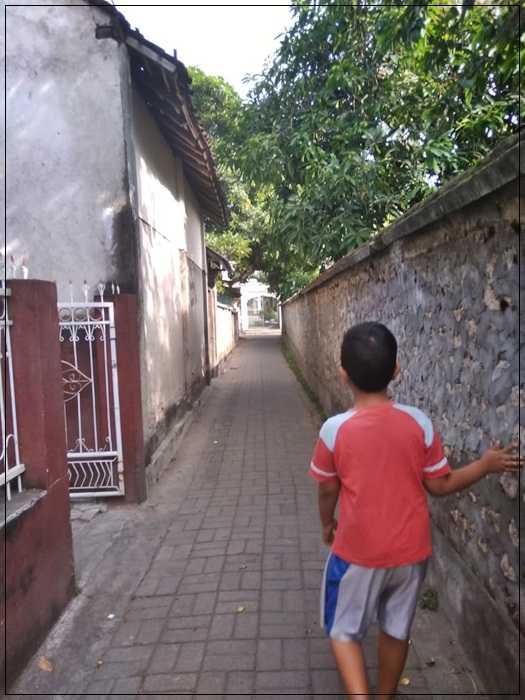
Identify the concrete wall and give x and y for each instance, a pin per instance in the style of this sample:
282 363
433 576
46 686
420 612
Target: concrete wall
227 331
67 192
444 279
171 279
223 329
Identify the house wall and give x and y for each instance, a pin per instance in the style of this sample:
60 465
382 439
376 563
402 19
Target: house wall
449 292
171 280
67 209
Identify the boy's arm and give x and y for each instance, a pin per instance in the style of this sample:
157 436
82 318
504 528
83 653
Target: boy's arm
328 495
493 461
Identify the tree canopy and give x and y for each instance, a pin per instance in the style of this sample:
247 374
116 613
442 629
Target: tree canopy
364 110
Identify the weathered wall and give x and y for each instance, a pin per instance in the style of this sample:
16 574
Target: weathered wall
67 193
223 328
227 331
171 280
445 281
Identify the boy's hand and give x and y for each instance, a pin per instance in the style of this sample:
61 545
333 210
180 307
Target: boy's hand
498 459
329 532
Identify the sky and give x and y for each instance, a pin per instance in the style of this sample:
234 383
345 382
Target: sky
227 41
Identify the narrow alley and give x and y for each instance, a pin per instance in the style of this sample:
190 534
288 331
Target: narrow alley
210 588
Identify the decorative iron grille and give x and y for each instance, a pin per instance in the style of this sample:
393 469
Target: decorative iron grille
91 398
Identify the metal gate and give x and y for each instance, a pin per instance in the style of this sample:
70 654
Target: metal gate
91 398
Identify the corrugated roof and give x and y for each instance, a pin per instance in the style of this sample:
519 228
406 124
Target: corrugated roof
164 84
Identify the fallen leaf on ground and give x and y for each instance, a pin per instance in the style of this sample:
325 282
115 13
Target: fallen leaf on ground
430 662
241 609
45 665
99 663
405 681
111 616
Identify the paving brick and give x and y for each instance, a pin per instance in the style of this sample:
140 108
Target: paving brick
205 536
251 580
214 564
195 634
167 584
326 681
130 653
221 662
166 682
230 581
282 680
183 604
295 602
189 622
150 602
246 626
195 566
231 647
269 655
163 658
150 631
222 626
284 631
124 669
100 687
204 603
213 682
127 634
190 657
157 613
127 685
295 654
271 601
240 682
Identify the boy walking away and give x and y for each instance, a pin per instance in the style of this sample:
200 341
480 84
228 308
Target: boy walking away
377 460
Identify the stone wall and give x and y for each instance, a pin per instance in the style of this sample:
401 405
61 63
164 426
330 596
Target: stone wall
444 279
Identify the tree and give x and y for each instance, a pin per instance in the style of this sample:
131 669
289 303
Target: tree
364 111
219 109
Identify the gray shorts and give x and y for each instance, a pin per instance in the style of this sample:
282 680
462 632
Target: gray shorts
353 597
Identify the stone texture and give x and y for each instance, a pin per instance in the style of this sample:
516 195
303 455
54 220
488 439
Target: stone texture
449 293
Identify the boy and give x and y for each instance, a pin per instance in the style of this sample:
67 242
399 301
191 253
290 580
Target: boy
378 459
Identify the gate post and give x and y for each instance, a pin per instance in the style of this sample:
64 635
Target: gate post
38 381
128 361
38 578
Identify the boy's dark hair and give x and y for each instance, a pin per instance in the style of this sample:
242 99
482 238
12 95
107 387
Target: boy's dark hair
368 355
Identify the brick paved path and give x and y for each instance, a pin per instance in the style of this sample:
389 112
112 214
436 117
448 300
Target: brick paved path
214 582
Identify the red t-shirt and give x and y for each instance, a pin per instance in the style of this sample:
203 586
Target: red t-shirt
381 455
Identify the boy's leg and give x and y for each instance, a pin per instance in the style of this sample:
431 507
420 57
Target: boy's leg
392 654
396 612
351 665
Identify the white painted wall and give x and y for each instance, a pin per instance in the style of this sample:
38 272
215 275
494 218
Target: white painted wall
66 188
226 319
170 272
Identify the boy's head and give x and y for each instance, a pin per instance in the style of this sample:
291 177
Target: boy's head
369 356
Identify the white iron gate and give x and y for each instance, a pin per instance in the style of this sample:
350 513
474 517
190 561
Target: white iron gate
91 398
